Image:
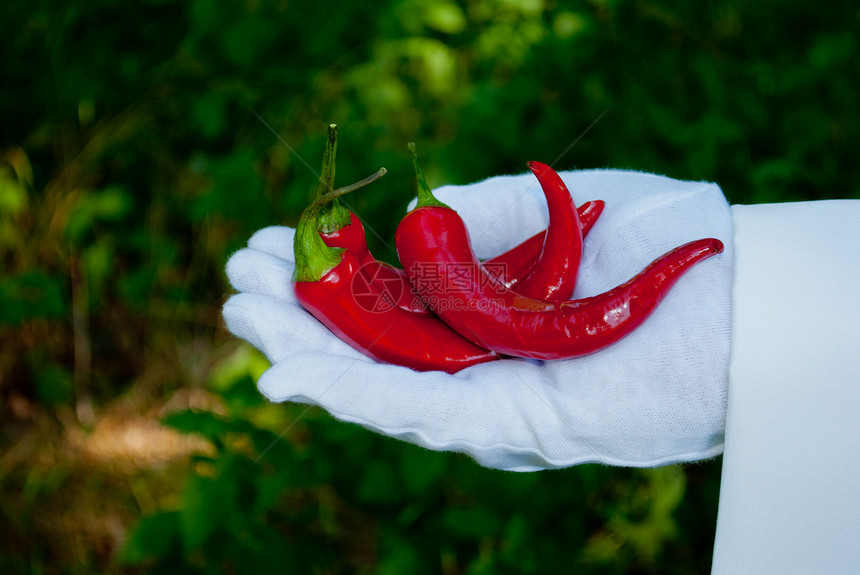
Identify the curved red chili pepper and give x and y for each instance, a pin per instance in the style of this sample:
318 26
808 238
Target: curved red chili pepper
341 228
432 239
508 267
324 283
392 335
554 275
392 279
518 261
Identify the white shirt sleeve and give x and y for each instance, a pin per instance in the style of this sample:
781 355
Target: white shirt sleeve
790 492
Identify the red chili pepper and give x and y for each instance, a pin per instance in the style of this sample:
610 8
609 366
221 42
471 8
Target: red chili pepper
517 262
324 285
431 239
554 275
509 267
343 229
390 279
340 228
392 336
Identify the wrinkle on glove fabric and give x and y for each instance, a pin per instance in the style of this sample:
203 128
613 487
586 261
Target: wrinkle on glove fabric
656 397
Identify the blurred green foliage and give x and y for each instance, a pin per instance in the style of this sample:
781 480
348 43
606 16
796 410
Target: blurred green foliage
141 143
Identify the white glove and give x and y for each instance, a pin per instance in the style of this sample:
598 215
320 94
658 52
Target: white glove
656 397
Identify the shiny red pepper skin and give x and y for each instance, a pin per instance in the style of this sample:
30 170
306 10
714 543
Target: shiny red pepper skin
554 275
392 336
394 280
340 228
497 318
325 280
510 267
516 263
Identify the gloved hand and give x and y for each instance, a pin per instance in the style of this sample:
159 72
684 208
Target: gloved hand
656 397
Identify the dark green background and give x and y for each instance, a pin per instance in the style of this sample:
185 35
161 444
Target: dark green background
142 142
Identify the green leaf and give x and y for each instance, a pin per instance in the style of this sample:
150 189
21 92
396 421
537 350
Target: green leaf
30 295
209 114
246 361
13 194
206 502
378 483
245 41
154 536
108 204
421 468
399 555
470 522
445 16
236 193
54 385
205 423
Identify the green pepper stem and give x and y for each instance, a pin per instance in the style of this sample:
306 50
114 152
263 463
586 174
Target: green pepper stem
326 184
334 215
352 187
325 214
425 195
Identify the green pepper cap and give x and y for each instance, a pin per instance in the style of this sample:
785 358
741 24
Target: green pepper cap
425 196
326 214
314 259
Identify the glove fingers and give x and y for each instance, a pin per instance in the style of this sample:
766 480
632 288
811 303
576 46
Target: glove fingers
274 240
280 329
257 272
656 397
517 415
499 413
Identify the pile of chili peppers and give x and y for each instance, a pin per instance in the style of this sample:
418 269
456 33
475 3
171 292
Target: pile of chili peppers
447 310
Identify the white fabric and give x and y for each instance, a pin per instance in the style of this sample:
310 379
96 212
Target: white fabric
656 397
790 493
